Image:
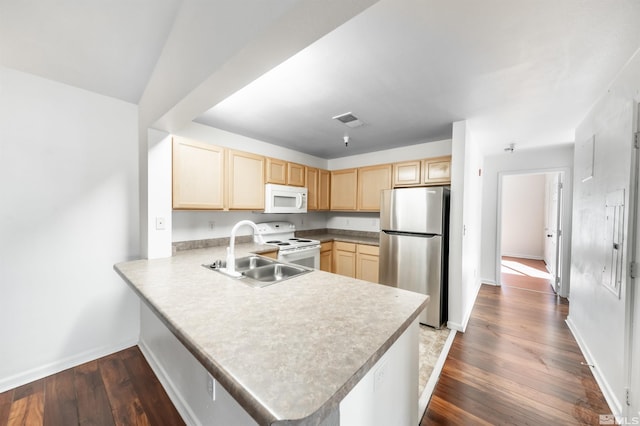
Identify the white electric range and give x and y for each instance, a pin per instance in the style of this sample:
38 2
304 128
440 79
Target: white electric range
301 251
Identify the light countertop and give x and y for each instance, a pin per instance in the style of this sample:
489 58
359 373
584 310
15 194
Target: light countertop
287 352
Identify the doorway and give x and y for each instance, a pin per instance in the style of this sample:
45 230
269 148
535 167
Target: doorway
530 236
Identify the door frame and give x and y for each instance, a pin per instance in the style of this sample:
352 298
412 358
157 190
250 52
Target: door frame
632 316
565 209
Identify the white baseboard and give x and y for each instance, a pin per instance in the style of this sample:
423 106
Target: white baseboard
62 364
489 282
465 320
614 404
181 405
523 256
435 375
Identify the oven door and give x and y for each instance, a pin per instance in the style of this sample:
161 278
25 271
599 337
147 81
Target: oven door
307 256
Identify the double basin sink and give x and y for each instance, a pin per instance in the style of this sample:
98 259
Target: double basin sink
258 271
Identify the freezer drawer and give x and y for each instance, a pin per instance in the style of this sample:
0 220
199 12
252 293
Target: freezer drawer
414 262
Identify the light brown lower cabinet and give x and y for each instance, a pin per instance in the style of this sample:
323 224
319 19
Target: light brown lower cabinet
272 254
355 260
367 262
326 256
344 259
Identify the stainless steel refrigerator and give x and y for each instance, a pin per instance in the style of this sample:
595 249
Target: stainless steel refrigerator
414 249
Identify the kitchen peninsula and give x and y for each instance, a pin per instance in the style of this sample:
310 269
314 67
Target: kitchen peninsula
319 348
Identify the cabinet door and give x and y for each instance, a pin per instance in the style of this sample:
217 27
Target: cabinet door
312 188
246 181
276 171
326 256
344 259
198 175
367 263
371 181
295 174
324 189
436 170
406 173
344 189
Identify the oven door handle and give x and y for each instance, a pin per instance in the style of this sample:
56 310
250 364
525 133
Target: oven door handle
298 201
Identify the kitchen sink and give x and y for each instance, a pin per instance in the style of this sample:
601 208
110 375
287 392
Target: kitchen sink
275 272
257 271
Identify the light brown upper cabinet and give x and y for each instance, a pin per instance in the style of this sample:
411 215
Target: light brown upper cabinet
198 175
276 171
371 181
430 171
245 176
284 173
295 174
407 173
324 189
312 188
437 170
344 189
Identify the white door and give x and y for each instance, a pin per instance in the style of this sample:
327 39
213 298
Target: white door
552 228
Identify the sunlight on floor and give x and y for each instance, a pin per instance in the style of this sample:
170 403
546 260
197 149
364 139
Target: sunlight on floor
517 268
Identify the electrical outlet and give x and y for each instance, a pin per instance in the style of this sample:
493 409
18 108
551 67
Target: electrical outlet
378 376
160 223
211 387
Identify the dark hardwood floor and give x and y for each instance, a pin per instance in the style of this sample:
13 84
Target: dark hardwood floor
517 363
119 389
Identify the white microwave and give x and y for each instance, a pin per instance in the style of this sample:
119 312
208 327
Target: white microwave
285 199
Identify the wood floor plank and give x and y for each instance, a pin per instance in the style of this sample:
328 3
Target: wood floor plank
5 406
125 405
517 363
155 401
93 403
61 406
28 410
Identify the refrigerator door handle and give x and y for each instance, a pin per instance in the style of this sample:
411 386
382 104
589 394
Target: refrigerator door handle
410 234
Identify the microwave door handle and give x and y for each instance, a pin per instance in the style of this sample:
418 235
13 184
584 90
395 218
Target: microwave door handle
298 201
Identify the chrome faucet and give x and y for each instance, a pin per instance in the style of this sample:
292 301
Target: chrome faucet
231 257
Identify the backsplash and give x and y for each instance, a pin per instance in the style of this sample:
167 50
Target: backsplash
224 241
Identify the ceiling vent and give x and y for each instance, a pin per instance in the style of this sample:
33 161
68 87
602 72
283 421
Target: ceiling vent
349 120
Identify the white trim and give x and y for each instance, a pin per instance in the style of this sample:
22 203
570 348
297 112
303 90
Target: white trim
490 282
181 405
523 256
467 315
614 404
46 370
435 375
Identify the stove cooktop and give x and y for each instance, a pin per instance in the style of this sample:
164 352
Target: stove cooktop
282 235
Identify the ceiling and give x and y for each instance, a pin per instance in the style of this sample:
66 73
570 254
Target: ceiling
523 72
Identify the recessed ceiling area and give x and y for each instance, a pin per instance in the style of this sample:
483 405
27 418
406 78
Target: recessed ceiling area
523 72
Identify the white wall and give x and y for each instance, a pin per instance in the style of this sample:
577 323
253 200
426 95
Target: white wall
555 158
597 316
464 227
69 190
523 213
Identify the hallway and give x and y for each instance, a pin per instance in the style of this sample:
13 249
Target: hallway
517 362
